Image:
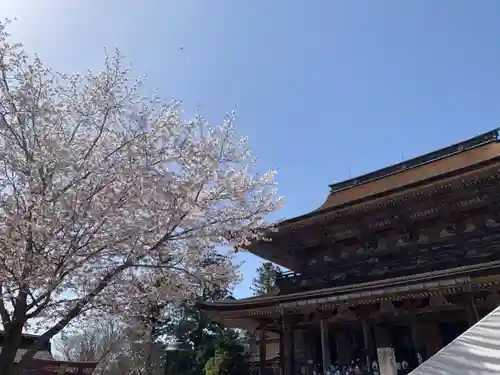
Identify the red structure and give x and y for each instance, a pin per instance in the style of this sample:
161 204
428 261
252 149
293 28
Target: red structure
49 367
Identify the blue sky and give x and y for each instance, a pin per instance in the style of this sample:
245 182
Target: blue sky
323 88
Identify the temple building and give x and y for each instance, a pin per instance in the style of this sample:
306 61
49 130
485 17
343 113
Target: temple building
406 258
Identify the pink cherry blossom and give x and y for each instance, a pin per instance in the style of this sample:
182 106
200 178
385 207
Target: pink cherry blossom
105 192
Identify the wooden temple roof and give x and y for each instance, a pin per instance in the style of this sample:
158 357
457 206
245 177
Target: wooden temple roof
451 158
457 164
252 313
344 293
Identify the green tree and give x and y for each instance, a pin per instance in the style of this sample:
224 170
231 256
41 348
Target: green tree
212 345
265 282
217 365
228 356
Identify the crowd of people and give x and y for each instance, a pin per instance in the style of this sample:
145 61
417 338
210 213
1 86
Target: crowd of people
358 367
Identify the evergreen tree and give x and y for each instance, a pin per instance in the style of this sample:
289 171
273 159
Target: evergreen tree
214 348
265 282
229 355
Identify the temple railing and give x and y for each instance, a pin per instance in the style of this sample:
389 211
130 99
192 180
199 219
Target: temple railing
404 261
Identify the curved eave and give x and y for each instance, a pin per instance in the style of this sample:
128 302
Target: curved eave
268 250
469 170
272 251
375 288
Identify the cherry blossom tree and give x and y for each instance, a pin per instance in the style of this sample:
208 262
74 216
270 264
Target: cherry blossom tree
118 349
109 198
105 340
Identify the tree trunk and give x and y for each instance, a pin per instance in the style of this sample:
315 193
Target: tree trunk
150 359
10 345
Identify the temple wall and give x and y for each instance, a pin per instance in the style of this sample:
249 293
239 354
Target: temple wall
272 348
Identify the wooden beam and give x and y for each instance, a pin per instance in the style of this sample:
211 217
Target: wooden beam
368 343
262 352
418 257
448 196
288 346
325 345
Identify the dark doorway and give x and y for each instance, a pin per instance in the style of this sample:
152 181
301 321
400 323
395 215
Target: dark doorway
403 344
451 330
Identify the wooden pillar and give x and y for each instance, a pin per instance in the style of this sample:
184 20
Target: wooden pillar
416 337
469 314
368 343
282 352
325 345
288 346
262 352
343 347
433 342
472 314
300 347
310 350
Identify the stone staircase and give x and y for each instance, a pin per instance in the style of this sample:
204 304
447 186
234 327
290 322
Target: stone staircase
475 352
